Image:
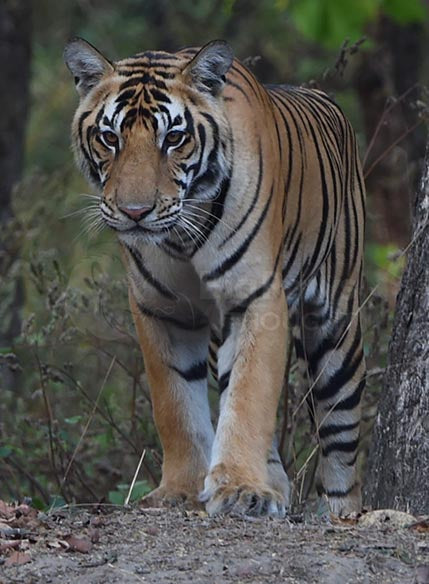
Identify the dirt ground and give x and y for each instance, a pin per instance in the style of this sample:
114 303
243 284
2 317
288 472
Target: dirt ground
96 546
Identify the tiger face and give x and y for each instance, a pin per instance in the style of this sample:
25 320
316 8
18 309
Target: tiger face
151 134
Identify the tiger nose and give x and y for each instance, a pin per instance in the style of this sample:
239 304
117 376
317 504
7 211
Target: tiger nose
136 212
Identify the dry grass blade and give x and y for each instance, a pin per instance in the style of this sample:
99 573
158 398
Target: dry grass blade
82 436
133 482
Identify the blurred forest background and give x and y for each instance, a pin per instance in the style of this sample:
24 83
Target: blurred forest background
74 411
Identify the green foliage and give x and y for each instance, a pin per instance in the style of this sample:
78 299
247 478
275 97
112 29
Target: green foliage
384 264
65 422
405 12
330 22
140 489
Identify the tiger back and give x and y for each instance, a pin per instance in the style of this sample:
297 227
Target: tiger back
239 209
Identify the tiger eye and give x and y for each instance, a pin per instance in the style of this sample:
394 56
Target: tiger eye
173 138
110 138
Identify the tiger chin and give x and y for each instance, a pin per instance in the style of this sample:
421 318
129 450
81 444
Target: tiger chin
239 210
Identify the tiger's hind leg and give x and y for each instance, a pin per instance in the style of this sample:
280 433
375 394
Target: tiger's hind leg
330 343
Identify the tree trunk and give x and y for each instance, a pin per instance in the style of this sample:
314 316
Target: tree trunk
15 50
398 466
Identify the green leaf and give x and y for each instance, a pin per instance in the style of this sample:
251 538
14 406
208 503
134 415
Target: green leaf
38 503
140 489
5 451
116 497
57 501
405 12
73 420
281 5
330 22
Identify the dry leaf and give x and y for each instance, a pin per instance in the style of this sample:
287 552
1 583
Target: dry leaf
386 518
94 534
17 558
196 513
351 519
9 544
79 544
25 510
6 510
54 544
422 526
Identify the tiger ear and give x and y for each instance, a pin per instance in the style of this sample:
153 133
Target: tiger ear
208 68
86 64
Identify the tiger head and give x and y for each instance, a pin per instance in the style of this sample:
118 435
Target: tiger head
151 132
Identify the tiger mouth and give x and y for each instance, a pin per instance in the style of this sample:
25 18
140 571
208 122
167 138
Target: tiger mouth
146 230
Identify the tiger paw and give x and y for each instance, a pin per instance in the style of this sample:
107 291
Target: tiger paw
224 495
344 505
164 497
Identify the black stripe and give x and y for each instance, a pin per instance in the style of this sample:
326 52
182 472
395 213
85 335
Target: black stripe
341 494
159 286
217 213
325 203
254 199
290 151
352 461
333 341
224 381
202 136
292 258
196 372
226 329
352 401
238 87
186 326
189 122
332 429
159 96
249 80
212 353
149 55
340 447
238 254
241 308
299 349
345 373
92 167
214 127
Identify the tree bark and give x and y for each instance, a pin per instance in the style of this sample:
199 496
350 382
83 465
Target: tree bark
15 51
398 466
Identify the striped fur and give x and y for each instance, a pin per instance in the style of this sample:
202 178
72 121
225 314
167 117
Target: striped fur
239 209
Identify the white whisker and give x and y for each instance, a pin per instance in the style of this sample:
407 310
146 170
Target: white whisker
191 225
81 211
187 229
209 214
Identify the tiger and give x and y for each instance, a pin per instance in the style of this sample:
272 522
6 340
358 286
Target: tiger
239 209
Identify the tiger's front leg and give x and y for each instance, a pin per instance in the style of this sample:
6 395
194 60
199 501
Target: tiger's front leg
175 356
251 363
